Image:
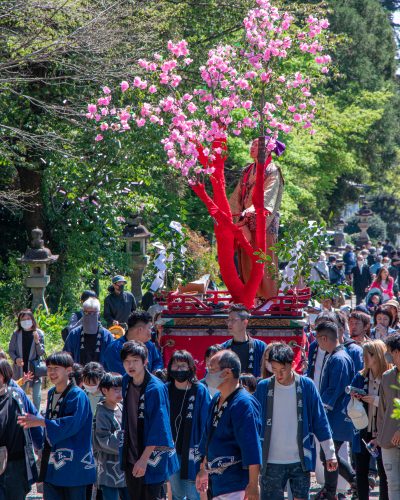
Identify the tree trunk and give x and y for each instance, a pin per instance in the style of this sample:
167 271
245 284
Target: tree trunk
31 181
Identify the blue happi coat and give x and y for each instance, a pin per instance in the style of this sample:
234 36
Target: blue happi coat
197 413
33 437
312 350
113 362
314 419
255 355
71 460
234 444
356 353
73 343
337 374
154 414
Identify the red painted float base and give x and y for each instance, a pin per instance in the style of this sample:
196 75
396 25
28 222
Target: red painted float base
198 331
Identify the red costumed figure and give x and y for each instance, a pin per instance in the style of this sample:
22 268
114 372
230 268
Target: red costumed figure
243 210
231 236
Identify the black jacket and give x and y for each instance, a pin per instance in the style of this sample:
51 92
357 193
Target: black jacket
118 307
362 280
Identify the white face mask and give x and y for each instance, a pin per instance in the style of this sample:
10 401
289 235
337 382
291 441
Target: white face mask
91 389
268 366
26 324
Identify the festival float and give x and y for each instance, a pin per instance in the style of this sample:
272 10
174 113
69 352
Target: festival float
251 86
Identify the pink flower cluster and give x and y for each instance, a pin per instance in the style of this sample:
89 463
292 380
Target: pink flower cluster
234 78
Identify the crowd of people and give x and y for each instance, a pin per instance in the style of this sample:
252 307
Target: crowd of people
118 424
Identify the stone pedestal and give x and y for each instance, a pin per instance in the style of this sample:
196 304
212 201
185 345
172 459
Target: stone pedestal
364 215
138 264
136 236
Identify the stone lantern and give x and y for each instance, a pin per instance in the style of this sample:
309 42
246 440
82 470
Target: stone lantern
136 237
38 257
339 236
364 215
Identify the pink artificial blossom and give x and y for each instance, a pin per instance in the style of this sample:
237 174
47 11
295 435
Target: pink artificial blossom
106 90
92 108
124 86
98 138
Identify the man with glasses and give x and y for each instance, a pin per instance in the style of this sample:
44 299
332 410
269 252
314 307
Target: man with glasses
249 350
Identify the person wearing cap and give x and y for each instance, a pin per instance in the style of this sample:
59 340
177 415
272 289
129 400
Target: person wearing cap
336 273
118 304
393 306
244 213
362 279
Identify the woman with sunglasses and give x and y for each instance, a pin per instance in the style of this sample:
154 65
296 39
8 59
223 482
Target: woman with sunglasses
369 379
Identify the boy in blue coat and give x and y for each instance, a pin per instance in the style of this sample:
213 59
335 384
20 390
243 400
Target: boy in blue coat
147 452
230 447
291 414
67 461
337 374
248 350
139 329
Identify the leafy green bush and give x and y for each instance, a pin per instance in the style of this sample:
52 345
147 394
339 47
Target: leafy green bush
52 324
13 294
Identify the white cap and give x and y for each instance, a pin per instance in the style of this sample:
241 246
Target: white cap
357 413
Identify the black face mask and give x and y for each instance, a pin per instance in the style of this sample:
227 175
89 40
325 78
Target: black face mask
180 375
120 288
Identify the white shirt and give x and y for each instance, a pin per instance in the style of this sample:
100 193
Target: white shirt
373 390
283 447
319 364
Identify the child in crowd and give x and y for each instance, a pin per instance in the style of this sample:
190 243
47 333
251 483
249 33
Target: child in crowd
67 460
92 374
249 382
106 438
76 375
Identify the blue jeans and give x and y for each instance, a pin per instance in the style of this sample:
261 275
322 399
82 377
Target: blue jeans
110 493
52 492
36 391
14 482
183 489
274 480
